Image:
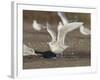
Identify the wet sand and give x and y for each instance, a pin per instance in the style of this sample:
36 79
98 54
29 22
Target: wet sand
33 62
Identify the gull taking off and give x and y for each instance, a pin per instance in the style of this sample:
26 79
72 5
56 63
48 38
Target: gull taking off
57 44
73 25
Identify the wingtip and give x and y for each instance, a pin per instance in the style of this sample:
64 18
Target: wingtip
60 23
48 25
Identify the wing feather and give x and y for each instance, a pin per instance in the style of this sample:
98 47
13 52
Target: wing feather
61 34
64 29
51 32
72 26
63 17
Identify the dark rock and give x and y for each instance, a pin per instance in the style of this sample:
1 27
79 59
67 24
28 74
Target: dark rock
46 54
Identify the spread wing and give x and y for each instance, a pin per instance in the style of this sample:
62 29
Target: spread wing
51 32
64 29
72 26
61 33
63 17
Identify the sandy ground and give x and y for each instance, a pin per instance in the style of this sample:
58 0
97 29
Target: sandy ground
78 54
33 62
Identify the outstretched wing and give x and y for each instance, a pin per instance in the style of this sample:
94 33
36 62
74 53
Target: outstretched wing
63 17
72 26
51 32
84 30
64 29
61 33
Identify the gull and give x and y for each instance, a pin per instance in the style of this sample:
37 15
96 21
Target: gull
73 25
36 26
28 51
57 44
